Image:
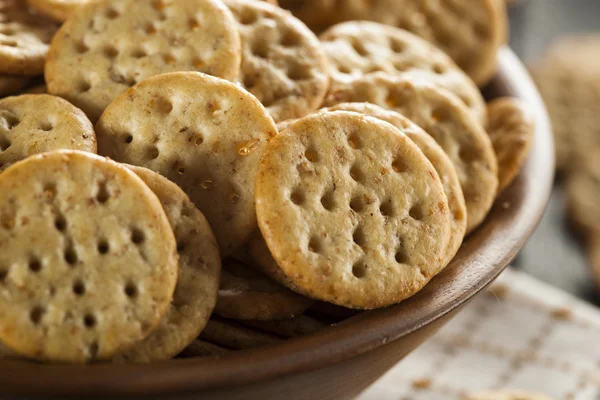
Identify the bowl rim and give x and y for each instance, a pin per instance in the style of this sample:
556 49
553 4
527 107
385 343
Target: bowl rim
482 258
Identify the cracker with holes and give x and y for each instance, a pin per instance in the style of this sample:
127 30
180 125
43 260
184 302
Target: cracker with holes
471 32
89 261
24 39
203 133
235 336
583 191
37 123
110 45
359 48
197 280
58 10
511 126
351 210
449 122
283 64
246 294
438 158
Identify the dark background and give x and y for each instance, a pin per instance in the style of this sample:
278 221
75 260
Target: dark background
554 254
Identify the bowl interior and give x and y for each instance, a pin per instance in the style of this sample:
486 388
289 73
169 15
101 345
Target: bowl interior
481 259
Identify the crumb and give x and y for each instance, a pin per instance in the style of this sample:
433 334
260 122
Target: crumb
422 383
562 314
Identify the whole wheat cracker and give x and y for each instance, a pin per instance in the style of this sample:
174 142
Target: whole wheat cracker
471 32
449 122
246 294
301 325
58 10
10 84
88 262
283 64
567 77
37 123
24 39
511 126
203 133
110 45
202 348
235 336
352 211
359 48
438 158
197 279
583 190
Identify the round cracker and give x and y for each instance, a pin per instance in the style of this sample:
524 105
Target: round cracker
583 191
88 261
58 10
352 211
511 126
449 122
283 64
507 394
471 32
110 45
246 294
301 325
203 133
567 78
36 123
202 348
235 336
359 48
197 281
438 158
24 39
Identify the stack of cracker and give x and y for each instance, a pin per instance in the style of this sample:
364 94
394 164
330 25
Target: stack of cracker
567 76
205 176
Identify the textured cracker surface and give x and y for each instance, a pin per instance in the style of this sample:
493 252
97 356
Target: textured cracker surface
88 260
469 31
438 158
352 211
359 48
246 294
24 39
449 122
36 123
109 46
511 126
197 280
203 133
283 64
58 10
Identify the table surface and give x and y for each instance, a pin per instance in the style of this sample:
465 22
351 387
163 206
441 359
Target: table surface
553 254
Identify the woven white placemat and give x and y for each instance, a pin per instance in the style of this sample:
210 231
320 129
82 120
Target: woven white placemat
519 334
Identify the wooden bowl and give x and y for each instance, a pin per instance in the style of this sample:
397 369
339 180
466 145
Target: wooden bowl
341 361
